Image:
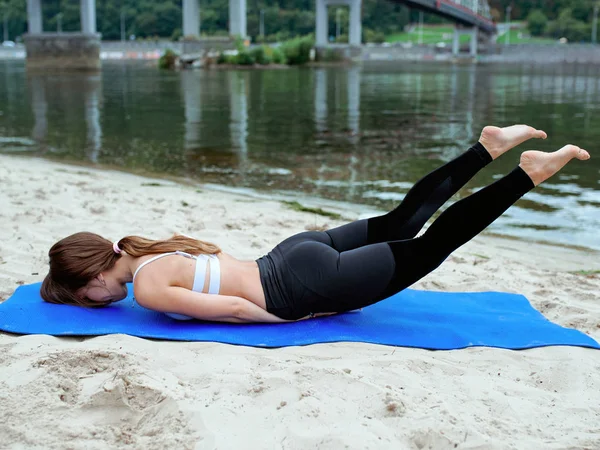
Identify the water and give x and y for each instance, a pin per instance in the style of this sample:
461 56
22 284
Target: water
359 135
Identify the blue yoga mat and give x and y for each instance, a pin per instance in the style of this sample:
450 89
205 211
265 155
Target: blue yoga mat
431 320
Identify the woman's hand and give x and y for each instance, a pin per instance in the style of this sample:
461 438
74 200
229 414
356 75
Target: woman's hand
312 316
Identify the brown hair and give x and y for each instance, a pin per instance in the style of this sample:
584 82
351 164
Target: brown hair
79 258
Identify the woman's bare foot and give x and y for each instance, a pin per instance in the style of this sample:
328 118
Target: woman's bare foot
540 165
499 140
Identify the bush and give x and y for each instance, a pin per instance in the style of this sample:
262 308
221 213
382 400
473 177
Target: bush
261 55
222 59
331 55
342 39
168 59
537 22
239 44
373 36
244 58
176 35
278 57
297 51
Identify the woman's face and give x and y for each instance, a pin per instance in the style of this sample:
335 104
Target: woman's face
104 288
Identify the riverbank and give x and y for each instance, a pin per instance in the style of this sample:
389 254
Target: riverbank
119 391
531 54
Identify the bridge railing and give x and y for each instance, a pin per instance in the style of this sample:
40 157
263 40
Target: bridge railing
480 7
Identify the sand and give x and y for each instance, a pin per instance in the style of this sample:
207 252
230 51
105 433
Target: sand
120 391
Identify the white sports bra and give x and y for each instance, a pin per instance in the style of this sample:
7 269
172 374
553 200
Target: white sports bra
199 276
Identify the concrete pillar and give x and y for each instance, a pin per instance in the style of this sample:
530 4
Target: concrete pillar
355 37
321 30
191 18
474 41
34 16
456 42
237 18
88 16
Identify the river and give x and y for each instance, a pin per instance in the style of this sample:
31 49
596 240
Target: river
361 135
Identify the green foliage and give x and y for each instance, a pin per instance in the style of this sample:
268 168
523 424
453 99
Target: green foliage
244 58
222 58
537 22
261 55
331 55
569 27
297 51
278 56
342 39
320 211
373 36
167 60
239 44
176 35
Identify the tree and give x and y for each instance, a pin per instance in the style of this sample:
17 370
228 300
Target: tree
569 27
537 22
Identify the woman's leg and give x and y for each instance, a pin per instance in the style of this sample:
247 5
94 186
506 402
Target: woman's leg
468 217
432 191
343 281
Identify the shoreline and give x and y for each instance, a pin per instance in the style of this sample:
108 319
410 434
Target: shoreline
119 391
348 211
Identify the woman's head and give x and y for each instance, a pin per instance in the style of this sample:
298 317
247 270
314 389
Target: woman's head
85 268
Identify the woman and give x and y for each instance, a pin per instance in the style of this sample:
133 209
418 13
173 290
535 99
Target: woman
311 273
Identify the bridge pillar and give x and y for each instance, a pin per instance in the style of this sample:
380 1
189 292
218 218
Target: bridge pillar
34 16
472 32
355 37
456 42
321 21
80 51
88 16
473 46
237 18
191 19
321 26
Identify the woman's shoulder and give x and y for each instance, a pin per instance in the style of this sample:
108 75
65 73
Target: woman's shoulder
168 270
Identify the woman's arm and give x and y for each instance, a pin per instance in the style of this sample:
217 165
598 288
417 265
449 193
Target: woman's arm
220 308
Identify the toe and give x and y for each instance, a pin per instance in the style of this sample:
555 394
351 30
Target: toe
583 154
540 134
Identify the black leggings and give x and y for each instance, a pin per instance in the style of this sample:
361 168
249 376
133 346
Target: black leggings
366 261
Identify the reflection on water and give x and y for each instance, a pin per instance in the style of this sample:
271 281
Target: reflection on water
361 135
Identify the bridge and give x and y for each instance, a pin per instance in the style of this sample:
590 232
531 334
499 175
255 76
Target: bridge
469 13
471 17
82 50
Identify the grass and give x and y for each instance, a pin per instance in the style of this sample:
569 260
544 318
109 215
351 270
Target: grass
586 273
298 207
436 34
431 35
522 37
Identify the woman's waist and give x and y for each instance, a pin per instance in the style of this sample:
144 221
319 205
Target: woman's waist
241 279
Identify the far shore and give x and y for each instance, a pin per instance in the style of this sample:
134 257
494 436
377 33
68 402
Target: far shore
517 54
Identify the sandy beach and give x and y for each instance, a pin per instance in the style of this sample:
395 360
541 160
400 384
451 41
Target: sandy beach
119 391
